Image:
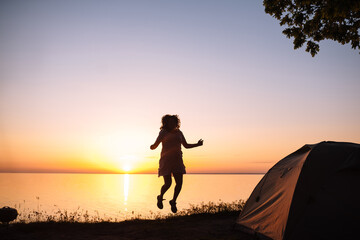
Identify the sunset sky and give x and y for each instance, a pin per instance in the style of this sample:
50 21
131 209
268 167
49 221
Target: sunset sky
84 84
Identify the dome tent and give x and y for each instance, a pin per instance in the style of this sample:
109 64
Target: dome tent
312 193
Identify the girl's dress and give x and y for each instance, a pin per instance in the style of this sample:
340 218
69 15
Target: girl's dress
171 160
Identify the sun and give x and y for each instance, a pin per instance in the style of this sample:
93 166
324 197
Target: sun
126 167
126 163
121 154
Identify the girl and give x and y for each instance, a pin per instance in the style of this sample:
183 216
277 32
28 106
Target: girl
171 161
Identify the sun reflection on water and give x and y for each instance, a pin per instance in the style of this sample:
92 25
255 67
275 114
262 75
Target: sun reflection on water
126 188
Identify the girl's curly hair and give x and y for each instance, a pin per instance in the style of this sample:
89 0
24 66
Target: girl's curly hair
165 121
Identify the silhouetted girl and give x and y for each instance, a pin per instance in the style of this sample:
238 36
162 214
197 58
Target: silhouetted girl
171 161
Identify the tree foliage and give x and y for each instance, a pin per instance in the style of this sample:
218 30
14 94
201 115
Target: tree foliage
310 21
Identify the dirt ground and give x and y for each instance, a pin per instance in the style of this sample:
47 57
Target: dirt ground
187 227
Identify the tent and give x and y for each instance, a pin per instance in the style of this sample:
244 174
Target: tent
313 193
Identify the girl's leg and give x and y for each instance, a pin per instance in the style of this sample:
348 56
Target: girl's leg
166 186
179 181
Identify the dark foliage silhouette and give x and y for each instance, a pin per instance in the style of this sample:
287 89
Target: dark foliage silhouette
312 21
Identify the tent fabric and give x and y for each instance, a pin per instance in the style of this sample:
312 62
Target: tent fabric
310 194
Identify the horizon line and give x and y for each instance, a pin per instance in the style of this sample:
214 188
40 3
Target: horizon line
153 173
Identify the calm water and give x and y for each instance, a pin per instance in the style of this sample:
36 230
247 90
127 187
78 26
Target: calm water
117 196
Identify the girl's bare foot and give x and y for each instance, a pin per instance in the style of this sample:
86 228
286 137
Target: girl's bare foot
159 202
173 206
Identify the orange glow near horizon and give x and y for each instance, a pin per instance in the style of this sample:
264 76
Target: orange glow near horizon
119 153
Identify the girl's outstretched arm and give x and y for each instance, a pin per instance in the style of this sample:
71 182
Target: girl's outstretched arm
191 145
155 145
158 141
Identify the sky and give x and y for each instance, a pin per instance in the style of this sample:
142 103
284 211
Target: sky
84 84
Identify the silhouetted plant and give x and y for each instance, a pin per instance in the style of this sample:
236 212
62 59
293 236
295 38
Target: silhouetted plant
213 208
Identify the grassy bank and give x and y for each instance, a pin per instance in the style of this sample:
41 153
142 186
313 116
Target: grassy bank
204 221
82 216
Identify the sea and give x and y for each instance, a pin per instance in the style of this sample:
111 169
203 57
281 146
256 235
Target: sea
113 197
